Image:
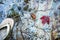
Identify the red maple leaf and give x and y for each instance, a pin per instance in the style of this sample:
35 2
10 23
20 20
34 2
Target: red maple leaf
45 19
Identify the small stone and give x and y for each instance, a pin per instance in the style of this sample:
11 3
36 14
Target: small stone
33 16
55 14
59 7
19 8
